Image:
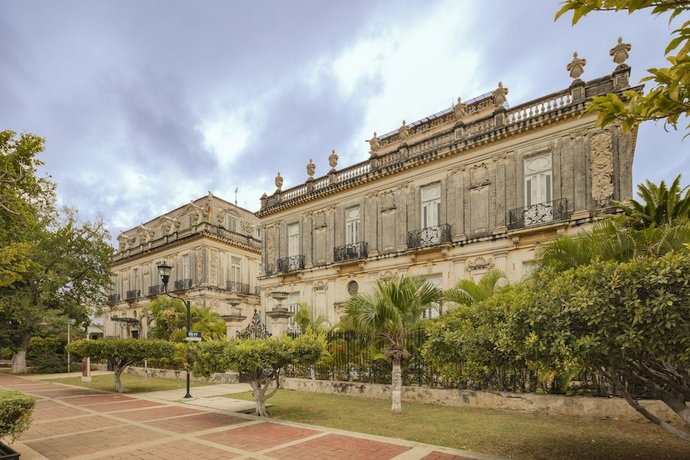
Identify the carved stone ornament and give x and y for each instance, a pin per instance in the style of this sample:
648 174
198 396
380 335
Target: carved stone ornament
403 131
246 226
270 244
499 95
620 52
213 266
480 263
459 109
279 182
602 168
387 201
320 220
576 67
333 160
374 143
320 286
311 169
479 176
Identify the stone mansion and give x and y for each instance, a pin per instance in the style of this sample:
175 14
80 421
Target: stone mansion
478 185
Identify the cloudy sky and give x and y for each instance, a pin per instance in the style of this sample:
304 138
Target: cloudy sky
146 105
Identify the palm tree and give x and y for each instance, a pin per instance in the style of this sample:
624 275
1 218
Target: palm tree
389 315
467 292
659 206
303 319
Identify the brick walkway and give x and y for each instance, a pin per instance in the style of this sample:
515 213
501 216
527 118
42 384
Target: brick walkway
71 422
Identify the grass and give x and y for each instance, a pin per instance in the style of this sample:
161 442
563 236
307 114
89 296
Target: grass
131 383
507 434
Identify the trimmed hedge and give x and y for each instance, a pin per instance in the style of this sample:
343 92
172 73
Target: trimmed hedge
15 413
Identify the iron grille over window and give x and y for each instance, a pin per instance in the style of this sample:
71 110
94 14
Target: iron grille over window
156 290
352 251
538 214
291 264
234 286
183 285
429 236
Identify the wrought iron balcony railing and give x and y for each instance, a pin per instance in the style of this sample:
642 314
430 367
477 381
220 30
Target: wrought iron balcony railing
133 294
156 290
539 214
183 285
429 236
352 251
234 286
291 264
113 298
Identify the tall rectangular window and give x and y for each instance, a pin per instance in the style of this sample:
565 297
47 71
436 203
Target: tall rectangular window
186 269
231 223
293 239
352 225
235 270
538 179
431 205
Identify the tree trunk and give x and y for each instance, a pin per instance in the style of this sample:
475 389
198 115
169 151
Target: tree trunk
259 398
19 355
396 387
117 374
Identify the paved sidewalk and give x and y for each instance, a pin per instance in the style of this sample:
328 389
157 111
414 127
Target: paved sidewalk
78 423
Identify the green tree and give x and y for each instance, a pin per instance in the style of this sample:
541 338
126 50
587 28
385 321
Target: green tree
659 206
468 291
261 360
669 99
68 274
120 353
389 315
169 319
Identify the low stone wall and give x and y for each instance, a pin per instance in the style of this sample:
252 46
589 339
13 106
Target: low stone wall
228 377
580 406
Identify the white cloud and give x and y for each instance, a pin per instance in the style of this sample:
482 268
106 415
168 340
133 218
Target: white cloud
226 135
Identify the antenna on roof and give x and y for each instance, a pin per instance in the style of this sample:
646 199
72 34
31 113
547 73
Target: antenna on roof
236 196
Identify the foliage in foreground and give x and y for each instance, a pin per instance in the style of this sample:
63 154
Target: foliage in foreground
15 413
628 321
120 353
169 316
669 100
261 360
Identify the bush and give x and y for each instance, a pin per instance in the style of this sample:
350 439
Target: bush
5 353
15 413
47 355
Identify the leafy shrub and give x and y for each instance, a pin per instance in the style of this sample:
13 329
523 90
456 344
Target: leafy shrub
15 413
5 353
47 355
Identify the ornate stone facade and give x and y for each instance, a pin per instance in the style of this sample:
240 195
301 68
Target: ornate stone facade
477 186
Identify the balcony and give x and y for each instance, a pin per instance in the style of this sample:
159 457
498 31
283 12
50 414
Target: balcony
183 285
352 251
429 236
539 214
156 290
113 298
133 294
241 288
291 264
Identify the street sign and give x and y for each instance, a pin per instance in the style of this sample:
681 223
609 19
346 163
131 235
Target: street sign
194 336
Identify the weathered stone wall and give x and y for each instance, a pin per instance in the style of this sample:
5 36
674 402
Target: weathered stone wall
227 377
579 406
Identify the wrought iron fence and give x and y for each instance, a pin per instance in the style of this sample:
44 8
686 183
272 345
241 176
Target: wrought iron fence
291 264
352 251
234 286
429 236
540 213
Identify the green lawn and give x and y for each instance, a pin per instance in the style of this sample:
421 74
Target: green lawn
507 434
131 383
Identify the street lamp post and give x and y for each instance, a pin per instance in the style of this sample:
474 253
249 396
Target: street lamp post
164 272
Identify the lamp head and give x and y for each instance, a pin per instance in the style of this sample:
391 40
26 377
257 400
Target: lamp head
164 272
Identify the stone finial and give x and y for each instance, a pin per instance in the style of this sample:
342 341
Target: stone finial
333 160
278 182
499 95
374 143
311 169
459 109
576 66
403 131
620 52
